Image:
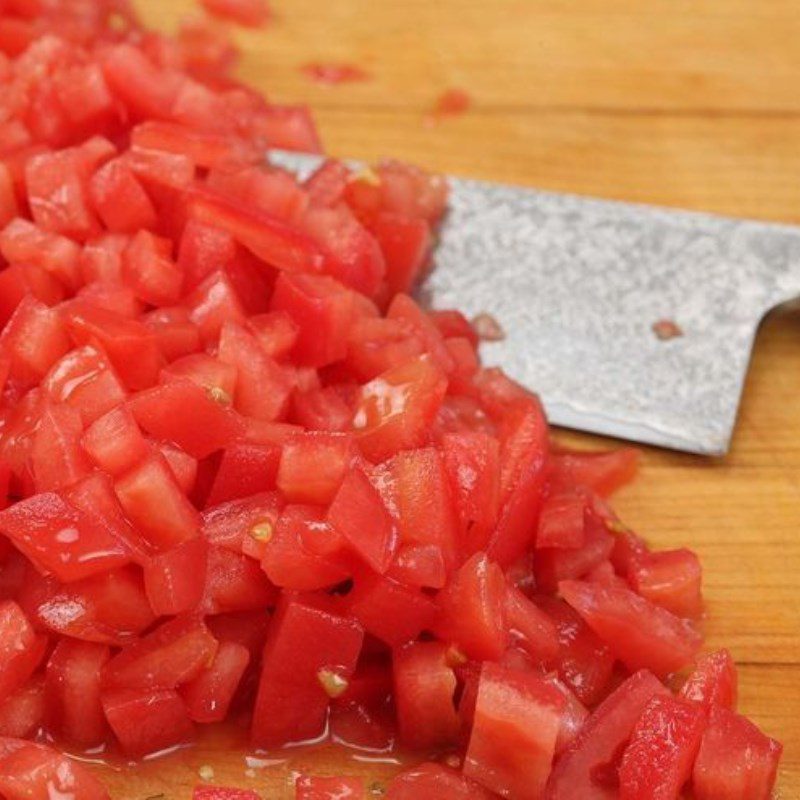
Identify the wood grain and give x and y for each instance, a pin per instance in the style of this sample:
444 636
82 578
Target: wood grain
689 103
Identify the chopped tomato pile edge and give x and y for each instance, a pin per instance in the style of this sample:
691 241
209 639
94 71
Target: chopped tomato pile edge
245 476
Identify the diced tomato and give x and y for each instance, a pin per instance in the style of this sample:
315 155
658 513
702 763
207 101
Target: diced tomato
175 579
420 565
203 250
472 609
339 788
155 504
244 12
171 655
235 582
183 413
658 759
177 335
390 611
424 688
640 634
151 273
561 521
29 770
72 692
290 128
146 720
303 551
246 468
713 682
21 649
579 770
57 459
406 244
670 579
114 441
220 793
182 466
736 760
434 782
232 523
394 411
313 466
404 309
603 473
513 738
22 713
536 632
208 696
307 646
61 538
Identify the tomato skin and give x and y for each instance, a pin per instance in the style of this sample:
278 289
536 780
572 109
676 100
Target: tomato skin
736 760
713 682
314 788
72 692
658 759
513 739
607 729
640 634
424 688
291 704
29 770
208 696
434 782
146 720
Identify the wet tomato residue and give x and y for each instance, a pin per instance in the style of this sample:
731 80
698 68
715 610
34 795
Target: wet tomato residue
334 73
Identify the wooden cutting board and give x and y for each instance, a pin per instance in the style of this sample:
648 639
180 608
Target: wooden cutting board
690 103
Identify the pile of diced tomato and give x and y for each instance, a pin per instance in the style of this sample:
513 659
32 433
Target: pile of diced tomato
244 475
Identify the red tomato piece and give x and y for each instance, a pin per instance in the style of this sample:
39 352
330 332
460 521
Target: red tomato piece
670 579
403 308
114 441
177 335
327 183
313 466
108 608
394 411
536 632
171 655
290 128
22 713
146 720
713 682
220 793
420 565
603 473
72 692
175 579
640 634
149 271
322 310
29 770
322 409
561 521
406 245
262 385
472 609
305 552
183 413
307 787
120 200
360 516
513 738
252 13
57 459
155 504
245 469
21 649
209 695
203 250
658 759
573 718
306 645
182 466
60 538
435 782
235 582
215 376
584 662
596 748
232 523
424 688
736 760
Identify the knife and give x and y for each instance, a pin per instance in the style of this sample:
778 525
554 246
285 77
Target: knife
628 320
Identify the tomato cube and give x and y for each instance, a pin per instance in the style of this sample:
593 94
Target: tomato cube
72 692
307 787
146 720
21 649
232 523
420 565
208 696
640 634
561 521
435 782
406 245
149 272
175 579
424 689
235 582
713 682
513 737
203 250
658 759
22 242
114 441
536 632
177 335
171 655
736 760
601 740
603 473
472 609
245 469
22 713
57 459
306 647
155 504
313 466
670 579
29 770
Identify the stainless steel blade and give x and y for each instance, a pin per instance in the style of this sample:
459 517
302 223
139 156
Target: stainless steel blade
577 284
